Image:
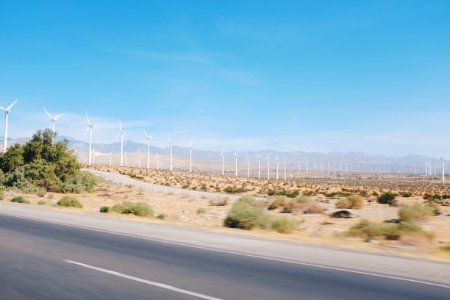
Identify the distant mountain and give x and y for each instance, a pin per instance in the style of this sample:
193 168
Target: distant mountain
333 161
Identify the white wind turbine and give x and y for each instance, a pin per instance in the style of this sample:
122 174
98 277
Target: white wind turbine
89 128
236 162
110 158
190 157
443 170
53 119
6 111
222 155
121 134
259 165
276 159
285 173
147 139
171 153
268 166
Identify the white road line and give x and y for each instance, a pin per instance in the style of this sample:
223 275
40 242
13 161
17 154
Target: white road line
241 253
152 283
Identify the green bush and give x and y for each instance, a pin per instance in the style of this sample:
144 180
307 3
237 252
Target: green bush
104 209
139 209
388 198
415 212
68 201
390 231
201 210
20 199
353 201
161 216
45 164
245 215
283 224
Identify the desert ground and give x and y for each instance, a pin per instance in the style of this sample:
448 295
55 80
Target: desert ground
314 221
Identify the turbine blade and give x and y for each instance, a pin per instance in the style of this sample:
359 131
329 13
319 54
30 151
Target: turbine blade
48 114
11 105
88 121
57 117
87 129
145 133
2 108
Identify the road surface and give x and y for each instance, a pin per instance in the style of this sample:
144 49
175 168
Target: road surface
43 260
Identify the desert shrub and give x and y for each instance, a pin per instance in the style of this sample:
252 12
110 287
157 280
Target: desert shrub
388 198
161 216
201 210
218 202
406 194
2 195
390 231
41 193
415 212
104 209
20 199
352 201
283 224
42 202
68 201
245 215
278 202
139 209
302 199
313 208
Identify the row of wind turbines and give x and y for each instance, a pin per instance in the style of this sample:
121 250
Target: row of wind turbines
121 134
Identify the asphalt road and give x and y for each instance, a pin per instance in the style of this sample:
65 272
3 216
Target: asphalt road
39 260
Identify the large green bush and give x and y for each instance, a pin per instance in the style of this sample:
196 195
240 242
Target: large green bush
139 209
352 201
245 215
43 163
68 201
388 198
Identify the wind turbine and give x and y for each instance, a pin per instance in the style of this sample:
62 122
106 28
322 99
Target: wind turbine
110 158
89 128
170 153
247 157
190 157
148 138
223 161
276 159
236 162
284 161
121 134
443 170
268 166
53 119
259 165
6 111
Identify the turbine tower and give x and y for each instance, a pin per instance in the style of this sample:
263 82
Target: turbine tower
89 128
170 153
6 111
236 162
285 173
222 155
276 159
247 157
110 158
259 165
190 157
121 134
147 139
268 166
53 120
443 170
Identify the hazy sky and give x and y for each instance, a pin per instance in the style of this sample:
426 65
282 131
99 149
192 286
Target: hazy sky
370 76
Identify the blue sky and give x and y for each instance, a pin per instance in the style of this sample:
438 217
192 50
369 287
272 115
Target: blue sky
349 76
